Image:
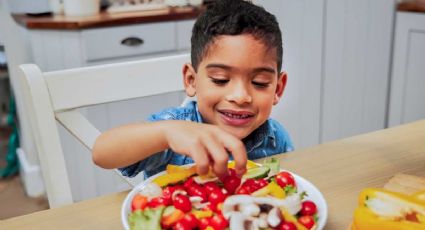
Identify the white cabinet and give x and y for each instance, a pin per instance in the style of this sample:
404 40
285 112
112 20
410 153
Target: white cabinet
356 67
337 54
62 49
408 73
127 41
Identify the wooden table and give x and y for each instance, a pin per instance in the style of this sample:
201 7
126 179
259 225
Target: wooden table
340 169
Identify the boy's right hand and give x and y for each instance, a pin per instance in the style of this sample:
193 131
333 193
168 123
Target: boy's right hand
207 145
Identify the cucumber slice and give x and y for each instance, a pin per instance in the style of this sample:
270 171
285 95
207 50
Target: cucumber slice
255 173
273 164
169 210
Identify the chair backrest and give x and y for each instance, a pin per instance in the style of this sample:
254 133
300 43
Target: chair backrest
57 96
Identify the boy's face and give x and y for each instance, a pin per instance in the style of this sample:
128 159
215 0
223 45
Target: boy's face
237 84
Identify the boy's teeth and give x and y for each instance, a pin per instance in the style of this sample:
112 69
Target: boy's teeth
242 116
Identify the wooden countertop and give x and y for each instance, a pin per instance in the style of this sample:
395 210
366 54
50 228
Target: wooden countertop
412 6
104 19
340 169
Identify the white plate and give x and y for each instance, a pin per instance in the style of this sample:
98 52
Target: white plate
302 184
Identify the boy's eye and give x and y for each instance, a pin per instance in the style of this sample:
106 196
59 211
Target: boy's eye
219 81
260 84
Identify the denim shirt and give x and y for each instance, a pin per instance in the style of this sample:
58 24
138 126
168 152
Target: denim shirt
268 139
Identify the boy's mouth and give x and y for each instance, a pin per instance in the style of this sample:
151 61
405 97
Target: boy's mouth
237 118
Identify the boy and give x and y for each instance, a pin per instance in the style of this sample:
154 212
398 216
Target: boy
235 75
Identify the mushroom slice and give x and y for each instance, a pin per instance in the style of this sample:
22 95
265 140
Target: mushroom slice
232 203
274 217
151 190
249 209
261 221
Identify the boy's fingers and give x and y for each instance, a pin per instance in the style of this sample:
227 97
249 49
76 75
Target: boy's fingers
238 151
201 159
219 156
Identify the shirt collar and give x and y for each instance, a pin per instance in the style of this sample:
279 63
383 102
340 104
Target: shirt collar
198 115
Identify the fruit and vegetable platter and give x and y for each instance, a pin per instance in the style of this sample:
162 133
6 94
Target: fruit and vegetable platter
266 197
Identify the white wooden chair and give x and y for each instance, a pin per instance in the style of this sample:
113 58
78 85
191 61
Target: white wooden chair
57 96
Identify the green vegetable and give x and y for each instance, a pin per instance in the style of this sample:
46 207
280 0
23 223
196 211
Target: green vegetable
148 219
289 189
255 173
273 164
168 210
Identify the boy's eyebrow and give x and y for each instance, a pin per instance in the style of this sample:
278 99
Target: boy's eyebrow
226 67
216 65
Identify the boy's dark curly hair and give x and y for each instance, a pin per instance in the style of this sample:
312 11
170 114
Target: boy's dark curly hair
234 17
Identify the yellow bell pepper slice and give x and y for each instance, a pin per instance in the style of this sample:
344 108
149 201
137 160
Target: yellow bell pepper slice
172 178
365 219
199 214
272 189
178 168
249 164
381 209
420 195
288 217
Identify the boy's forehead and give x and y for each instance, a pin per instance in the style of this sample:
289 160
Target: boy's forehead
239 50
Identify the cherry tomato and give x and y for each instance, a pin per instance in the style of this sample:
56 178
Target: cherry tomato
189 182
308 208
190 221
287 226
232 172
157 201
250 185
182 202
218 222
211 186
307 221
198 190
204 223
243 190
216 197
262 182
231 183
181 226
139 202
168 192
284 179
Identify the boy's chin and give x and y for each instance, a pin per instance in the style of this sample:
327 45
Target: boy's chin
240 134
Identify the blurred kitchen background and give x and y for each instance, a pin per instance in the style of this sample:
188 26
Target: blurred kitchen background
354 66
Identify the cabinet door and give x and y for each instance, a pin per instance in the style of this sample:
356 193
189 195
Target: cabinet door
408 74
358 36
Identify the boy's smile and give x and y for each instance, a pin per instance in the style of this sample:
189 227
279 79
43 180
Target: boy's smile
237 83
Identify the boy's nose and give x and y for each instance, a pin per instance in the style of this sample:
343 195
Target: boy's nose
240 95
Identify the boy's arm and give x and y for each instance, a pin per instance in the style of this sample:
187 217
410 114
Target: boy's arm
125 145
206 144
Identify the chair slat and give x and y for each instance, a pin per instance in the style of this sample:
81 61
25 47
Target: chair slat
79 126
101 82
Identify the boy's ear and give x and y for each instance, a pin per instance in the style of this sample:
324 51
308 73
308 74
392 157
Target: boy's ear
281 83
189 78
